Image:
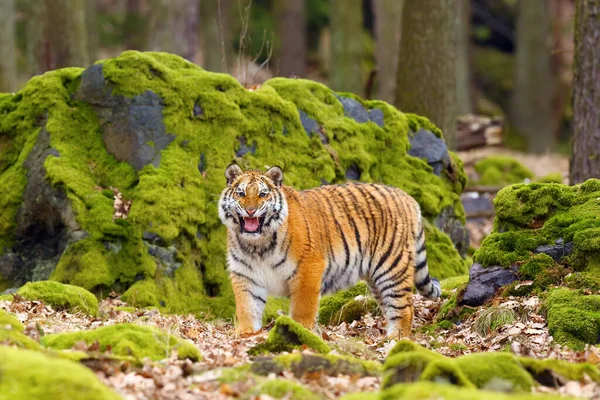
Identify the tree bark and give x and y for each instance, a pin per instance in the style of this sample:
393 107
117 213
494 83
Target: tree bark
427 67
585 160
216 21
345 72
135 26
65 34
173 27
92 29
35 10
388 28
291 31
464 101
8 62
531 108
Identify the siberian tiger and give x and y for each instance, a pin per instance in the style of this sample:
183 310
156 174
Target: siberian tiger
301 244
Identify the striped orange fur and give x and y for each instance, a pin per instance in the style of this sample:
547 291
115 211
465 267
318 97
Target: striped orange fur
303 244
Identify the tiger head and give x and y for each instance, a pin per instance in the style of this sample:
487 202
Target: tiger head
253 203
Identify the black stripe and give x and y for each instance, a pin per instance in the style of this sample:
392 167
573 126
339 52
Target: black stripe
238 259
395 262
245 277
256 297
270 247
395 307
294 272
424 282
376 205
421 265
354 226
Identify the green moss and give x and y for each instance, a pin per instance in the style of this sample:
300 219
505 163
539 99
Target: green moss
445 371
545 371
127 340
407 366
26 374
501 170
282 388
6 297
535 265
14 337
176 200
328 364
126 309
61 296
552 177
583 280
573 317
496 371
454 282
273 306
332 307
288 335
7 319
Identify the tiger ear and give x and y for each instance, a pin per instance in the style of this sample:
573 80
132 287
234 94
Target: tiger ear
275 174
232 172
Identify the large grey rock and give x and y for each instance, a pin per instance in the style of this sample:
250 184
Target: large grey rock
484 282
353 109
132 128
431 148
311 127
557 251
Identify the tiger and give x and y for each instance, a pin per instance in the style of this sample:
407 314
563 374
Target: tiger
305 244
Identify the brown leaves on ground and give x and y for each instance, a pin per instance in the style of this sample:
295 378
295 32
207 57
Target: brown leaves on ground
365 338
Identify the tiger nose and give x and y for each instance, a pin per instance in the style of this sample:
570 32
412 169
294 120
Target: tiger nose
251 211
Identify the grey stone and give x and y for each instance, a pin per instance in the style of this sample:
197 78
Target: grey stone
353 109
557 251
353 172
167 256
476 203
114 247
133 128
198 110
311 127
202 163
244 148
484 282
431 148
376 115
154 238
447 222
11 290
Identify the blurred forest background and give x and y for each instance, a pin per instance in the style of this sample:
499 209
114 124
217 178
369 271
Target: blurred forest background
445 59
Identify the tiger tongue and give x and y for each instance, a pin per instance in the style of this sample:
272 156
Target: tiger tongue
251 224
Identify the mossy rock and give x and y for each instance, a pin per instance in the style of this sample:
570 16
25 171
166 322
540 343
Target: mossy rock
127 340
14 337
407 366
288 335
61 296
454 283
573 317
445 371
61 143
273 306
546 371
343 306
328 364
501 171
283 389
496 371
31 375
7 319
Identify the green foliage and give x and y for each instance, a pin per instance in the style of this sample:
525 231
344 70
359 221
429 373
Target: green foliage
573 317
492 318
61 296
27 374
127 340
501 170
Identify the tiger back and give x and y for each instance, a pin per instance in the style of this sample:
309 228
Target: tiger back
302 244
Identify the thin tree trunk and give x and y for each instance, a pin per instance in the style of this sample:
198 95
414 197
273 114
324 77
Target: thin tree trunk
216 21
585 160
291 30
531 109
345 72
35 10
135 26
8 65
427 68
388 28
173 27
92 29
464 102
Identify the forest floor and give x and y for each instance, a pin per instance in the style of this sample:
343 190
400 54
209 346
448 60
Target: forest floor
364 338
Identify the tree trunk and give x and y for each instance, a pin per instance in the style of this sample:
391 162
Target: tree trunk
35 10
92 29
345 72
135 26
531 109
427 68
585 161
216 21
291 31
388 27
173 27
65 35
8 65
464 101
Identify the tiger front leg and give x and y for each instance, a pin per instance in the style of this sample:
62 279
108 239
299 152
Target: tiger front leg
399 312
305 292
250 300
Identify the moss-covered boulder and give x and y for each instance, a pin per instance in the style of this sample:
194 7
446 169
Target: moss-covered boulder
61 296
127 340
110 175
500 171
542 233
31 375
347 305
288 335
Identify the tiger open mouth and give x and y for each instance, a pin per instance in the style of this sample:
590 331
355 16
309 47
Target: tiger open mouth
252 224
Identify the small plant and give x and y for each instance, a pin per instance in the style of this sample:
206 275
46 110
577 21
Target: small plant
493 318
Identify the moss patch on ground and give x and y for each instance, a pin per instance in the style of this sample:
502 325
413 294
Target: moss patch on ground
127 340
14 337
26 374
500 171
7 319
174 197
61 296
346 305
288 335
283 388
